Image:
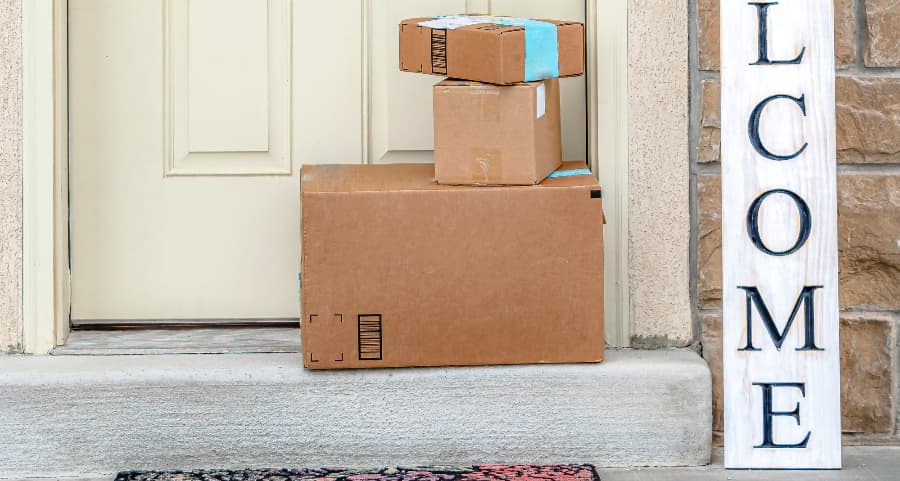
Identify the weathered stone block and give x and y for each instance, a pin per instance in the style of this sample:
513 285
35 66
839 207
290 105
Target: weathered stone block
709 148
869 241
709 241
844 33
866 373
867 376
868 119
708 33
883 31
712 353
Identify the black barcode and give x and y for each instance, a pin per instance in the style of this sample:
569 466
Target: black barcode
439 52
370 337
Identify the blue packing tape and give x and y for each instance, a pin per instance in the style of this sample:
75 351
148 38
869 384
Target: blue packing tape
541 51
569 173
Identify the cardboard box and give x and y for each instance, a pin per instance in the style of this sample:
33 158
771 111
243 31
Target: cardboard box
488 134
484 50
399 271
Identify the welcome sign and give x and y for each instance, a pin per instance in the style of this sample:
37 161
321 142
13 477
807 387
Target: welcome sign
779 227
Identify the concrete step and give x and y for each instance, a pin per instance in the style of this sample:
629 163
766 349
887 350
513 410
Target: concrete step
67 415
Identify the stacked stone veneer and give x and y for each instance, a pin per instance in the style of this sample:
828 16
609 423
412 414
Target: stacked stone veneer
867 55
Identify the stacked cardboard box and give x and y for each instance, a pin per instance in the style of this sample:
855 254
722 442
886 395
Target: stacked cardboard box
494 255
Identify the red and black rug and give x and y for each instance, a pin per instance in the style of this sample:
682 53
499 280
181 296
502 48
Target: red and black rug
486 472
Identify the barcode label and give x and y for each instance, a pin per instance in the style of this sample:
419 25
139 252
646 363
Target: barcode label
370 337
439 52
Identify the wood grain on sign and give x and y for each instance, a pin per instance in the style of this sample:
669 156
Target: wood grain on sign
779 221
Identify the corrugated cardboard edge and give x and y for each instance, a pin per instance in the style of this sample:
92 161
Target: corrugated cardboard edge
559 23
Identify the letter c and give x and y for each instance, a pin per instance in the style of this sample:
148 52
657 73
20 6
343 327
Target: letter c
753 128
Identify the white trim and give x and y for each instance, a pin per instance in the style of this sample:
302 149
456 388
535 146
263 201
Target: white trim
62 280
43 118
607 30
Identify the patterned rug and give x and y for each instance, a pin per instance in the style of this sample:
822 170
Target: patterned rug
487 472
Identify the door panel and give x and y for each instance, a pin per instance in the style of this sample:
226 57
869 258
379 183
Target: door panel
227 95
147 243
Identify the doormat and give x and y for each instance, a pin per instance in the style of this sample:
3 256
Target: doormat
487 472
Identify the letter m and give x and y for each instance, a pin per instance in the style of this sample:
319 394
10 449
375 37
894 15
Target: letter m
809 320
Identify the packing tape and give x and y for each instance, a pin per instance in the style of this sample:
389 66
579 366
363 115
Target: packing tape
569 173
541 41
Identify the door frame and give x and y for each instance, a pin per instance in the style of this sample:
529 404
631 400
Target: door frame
45 203
46 276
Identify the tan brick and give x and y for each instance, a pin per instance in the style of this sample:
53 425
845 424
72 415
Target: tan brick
844 33
883 32
867 376
868 119
709 149
712 351
709 241
866 373
708 33
869 241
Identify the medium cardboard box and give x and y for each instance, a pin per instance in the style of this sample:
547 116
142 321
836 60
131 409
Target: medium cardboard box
399 271
485 50
488 134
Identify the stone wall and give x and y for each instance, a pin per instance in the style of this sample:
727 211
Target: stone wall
10 176
867 51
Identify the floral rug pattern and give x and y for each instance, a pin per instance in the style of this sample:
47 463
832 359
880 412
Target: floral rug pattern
486 472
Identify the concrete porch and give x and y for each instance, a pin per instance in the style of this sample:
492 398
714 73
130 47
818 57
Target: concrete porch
72 415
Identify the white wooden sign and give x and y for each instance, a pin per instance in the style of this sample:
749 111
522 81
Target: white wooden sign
779 222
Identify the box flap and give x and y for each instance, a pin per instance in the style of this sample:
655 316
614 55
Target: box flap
405 177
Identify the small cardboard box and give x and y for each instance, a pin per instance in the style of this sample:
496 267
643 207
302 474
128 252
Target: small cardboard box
399 271
488 134
485 50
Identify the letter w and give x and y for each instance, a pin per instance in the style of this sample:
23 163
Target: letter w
805 300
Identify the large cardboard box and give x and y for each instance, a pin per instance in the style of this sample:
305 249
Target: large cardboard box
485 50
400 271
488 134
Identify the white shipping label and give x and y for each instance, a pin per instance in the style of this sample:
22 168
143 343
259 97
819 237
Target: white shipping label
451 22
541 101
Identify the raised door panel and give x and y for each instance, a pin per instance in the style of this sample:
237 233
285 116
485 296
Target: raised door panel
227 90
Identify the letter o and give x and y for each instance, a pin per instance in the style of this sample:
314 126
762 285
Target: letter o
805 222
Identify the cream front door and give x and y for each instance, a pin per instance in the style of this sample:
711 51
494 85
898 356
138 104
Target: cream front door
190 121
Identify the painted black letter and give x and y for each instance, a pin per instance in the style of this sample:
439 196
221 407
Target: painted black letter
807 296
762 11
805 223
768 414
753 127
